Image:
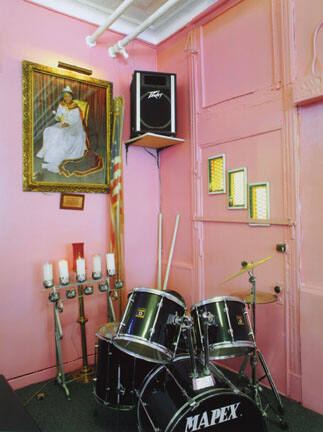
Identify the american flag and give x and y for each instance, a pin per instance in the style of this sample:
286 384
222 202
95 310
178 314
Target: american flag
116 184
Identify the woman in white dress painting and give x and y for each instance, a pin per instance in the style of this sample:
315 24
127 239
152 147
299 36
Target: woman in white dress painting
66 139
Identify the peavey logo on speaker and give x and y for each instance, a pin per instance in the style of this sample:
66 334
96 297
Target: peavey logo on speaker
155 94
211 418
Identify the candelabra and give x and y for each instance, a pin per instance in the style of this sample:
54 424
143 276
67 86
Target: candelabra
81 288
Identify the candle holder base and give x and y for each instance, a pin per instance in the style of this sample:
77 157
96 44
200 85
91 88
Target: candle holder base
84 375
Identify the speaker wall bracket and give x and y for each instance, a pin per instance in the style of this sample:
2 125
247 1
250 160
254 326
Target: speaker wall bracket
152 141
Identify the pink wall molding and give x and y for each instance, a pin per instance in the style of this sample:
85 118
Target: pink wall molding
310 89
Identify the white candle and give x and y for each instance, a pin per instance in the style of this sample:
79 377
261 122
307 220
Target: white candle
80 269
97 265
48 272
111 267
63 271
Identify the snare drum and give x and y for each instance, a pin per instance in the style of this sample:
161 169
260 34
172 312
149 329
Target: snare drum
168 403
149 328
230 335
118 375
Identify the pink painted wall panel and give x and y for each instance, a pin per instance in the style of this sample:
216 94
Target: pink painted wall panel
236 52
312 347
262 156
311 180
226 246
306 20
176 174
243 117
235 55
33 229
141 211
229 69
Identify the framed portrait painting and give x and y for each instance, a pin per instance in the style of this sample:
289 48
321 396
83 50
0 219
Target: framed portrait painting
66 131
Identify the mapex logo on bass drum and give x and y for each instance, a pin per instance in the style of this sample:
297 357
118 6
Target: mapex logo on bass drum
211 418
155 94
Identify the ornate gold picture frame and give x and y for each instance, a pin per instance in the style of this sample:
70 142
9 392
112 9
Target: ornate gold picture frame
66 131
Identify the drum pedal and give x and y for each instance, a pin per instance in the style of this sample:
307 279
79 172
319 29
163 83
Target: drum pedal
202 382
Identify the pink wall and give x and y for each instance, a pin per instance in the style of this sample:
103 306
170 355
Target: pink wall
311 265
235 112
237 68
33 229
311 178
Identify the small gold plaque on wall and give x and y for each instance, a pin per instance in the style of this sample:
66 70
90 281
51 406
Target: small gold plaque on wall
216 174
72 201
259 198
237 188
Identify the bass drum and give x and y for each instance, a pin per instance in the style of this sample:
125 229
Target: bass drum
168 403
118 375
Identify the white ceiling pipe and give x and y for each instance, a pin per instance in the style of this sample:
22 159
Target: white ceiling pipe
91 39
120 45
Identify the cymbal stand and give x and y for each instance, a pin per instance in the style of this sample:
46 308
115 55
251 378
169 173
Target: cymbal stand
256 355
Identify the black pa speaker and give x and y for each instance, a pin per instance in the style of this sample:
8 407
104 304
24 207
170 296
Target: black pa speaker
153 103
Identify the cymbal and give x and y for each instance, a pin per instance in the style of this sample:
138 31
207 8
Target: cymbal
247 267
261 297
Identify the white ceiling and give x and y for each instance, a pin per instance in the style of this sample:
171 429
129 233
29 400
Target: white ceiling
97 11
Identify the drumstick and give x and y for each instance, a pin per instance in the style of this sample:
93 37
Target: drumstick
171 252
160 218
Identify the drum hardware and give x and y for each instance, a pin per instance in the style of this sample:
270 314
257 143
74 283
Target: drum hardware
219 375
186 328
152 330
255 355
208 320
202 379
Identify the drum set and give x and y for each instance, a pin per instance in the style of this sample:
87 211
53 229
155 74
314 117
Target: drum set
159 359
